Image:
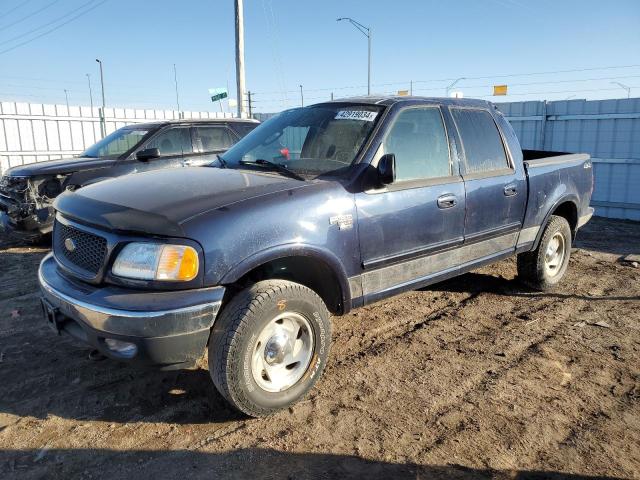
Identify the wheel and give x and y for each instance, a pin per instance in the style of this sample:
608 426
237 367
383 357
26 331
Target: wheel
545 266
269 346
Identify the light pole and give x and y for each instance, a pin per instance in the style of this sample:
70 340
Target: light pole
301 97
451 85
626 87
66 97
90 92
103 125
175 79
366 31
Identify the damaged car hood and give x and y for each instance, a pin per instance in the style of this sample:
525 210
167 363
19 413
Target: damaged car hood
159 202
59 167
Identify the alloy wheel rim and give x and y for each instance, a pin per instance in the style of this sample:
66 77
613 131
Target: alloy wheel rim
554 254
282 353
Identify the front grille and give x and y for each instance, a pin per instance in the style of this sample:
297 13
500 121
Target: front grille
79 248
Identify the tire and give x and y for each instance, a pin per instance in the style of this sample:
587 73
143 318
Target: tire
540 269
258 327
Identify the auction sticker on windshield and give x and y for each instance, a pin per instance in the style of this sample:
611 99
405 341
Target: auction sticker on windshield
365 115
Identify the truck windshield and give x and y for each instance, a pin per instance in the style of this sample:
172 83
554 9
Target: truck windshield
309 141
116 143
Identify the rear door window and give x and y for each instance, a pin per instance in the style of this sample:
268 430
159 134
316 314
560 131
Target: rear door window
481 141
213 139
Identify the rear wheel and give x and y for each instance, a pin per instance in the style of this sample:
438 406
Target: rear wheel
545 266
269 346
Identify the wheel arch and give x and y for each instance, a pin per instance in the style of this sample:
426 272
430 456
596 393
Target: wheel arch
566 207
313 267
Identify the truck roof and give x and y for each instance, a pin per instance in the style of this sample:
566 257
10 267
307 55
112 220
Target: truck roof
193 120
393 99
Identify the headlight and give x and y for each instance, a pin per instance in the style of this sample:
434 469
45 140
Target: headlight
156 261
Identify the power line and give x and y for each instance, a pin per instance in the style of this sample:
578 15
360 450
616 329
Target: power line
33 30
20 5
26 17
483 77
54 28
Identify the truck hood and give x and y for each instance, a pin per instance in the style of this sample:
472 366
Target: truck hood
160 202
55 167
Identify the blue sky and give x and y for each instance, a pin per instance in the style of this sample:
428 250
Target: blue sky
289 43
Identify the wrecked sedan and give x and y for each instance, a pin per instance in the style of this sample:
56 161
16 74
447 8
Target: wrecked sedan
27 191
318 210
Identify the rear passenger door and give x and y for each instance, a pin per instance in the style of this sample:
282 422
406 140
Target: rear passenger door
495 194
210 140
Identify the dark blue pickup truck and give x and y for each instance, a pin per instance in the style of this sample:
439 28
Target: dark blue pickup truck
317 211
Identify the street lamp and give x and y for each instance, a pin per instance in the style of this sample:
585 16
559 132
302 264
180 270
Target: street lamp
301 97
366 31
103 125
451 85
626 87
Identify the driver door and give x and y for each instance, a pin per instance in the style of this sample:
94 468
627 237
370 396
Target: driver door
174 144
408 229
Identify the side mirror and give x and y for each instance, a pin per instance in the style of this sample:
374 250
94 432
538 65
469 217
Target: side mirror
387 169
147 154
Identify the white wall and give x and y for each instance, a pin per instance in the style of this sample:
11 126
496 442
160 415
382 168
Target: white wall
33 132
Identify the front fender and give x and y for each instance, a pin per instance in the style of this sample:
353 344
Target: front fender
291 250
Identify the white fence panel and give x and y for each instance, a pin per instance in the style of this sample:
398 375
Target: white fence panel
34 132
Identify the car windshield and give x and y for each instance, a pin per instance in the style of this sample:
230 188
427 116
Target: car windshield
309 141
117 143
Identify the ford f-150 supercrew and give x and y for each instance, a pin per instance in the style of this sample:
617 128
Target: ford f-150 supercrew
27 191
318 210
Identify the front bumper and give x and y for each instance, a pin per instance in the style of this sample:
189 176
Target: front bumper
169 329
28 227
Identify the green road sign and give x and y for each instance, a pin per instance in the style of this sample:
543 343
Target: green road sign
218 94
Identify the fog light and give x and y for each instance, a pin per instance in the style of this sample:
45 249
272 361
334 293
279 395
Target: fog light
126 349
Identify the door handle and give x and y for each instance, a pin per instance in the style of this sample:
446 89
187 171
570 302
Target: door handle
510 190
447 201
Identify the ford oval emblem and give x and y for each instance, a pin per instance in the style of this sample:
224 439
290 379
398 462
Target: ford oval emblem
70 245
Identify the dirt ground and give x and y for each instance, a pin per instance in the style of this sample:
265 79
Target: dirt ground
477 377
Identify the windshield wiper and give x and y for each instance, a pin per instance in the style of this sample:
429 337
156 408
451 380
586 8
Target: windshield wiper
275 166
221 160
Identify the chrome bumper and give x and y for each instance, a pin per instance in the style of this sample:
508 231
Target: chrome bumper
141 314
585 218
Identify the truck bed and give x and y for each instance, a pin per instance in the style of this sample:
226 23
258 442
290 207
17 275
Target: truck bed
551 175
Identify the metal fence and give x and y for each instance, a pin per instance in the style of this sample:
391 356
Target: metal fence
31 132
609 130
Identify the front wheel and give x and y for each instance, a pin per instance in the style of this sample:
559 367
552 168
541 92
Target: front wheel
545 266
269 346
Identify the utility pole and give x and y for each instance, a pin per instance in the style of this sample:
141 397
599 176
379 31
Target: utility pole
90 93
411 88
66 96
250 104
103 123
240 80
301 97
366 31
331 95
175 80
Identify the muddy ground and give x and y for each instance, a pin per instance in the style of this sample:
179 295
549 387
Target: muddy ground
477 377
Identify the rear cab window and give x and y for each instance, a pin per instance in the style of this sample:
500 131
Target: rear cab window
484 151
